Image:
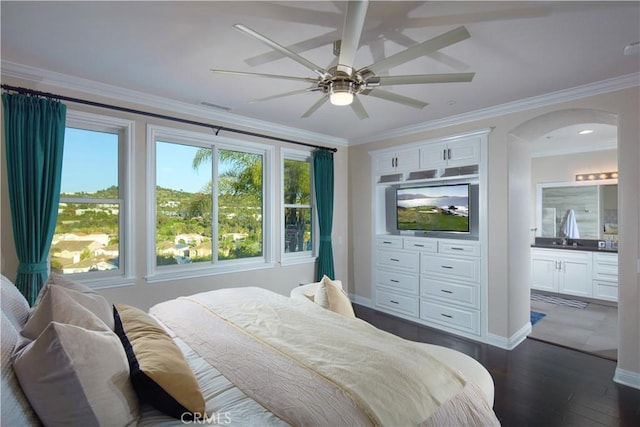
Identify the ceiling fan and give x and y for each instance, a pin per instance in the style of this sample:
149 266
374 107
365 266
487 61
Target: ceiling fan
342 84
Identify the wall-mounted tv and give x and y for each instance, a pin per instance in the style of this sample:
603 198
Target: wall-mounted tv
434 208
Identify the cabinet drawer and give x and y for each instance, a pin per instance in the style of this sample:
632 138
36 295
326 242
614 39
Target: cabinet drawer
466 320
398 281
605 290
394 242
407 261
459 248
422 245
455 293
459 268
399 303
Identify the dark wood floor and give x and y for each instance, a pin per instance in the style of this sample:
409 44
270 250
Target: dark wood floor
536 384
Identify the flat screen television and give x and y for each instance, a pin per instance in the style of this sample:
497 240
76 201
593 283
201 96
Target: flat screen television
434 208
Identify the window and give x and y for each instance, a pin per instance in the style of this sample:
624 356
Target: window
93 214
209 198
298 211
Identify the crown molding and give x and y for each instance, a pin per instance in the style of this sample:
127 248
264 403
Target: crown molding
50 78
58 80
578 92
576 150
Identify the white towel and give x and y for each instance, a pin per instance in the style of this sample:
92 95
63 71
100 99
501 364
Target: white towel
569 227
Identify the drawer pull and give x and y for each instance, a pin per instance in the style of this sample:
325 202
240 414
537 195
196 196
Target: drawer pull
394 302
394 259
446 266
453 248
418 246
446 315
394 281
386 242
446 291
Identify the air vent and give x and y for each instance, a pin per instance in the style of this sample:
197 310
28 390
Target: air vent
212 105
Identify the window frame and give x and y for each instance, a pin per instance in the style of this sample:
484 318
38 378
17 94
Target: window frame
289 258
203 140
125 129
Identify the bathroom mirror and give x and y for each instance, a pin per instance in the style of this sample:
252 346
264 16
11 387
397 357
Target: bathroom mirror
588 210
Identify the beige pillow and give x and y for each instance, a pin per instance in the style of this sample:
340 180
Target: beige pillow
76 376
159 372
329 294
64 305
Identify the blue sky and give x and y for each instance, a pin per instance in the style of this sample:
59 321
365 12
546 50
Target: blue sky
90 163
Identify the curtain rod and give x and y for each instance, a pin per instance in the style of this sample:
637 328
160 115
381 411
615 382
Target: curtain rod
217 128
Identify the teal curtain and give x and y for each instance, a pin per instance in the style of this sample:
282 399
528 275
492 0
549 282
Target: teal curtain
34 138
323 184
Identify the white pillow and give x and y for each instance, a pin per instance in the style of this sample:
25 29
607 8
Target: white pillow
56 279
76 376
65 305
329 294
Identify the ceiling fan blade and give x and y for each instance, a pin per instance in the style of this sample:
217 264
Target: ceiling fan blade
394 97
420 49
315 106
353 24
283 50
282 95
358 108
271 76
423 79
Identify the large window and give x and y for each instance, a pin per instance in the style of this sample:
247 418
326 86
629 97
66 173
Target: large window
209 198
298 213
89 239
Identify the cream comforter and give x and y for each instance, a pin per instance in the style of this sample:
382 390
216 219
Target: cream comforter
310 366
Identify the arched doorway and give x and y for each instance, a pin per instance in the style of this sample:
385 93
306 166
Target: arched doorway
522 197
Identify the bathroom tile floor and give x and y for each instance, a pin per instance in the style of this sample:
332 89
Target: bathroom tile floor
592 330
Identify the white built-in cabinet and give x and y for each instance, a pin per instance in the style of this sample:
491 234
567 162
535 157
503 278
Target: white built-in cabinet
397 161
574 272
450 154
436 281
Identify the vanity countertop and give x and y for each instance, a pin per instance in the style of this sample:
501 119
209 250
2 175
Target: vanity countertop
588 245
574 248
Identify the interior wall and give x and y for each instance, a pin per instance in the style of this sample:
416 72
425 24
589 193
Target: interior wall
279 278
505 307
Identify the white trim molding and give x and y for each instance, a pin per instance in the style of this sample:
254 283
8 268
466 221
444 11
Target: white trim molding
46 77
579 92
628 378
513 341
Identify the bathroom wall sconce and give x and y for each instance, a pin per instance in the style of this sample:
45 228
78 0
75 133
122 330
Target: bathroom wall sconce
596 176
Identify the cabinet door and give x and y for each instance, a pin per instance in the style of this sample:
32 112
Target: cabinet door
463 153
432 156
575 276
544 273
407 160
385 163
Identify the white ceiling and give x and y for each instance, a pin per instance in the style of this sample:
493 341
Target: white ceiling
518 50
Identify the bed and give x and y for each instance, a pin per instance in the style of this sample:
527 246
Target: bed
252 357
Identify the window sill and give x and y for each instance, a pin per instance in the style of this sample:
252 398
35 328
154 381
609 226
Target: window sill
193 273
295 260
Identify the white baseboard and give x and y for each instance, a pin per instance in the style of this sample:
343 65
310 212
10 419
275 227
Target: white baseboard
361 300
628 378
513 341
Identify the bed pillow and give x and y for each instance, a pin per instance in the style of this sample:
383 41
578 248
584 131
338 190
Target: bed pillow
65 305
76 376
329 294
160 374
56 279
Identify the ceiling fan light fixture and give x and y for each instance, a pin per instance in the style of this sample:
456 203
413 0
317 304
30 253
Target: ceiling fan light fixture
341 98
341 92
